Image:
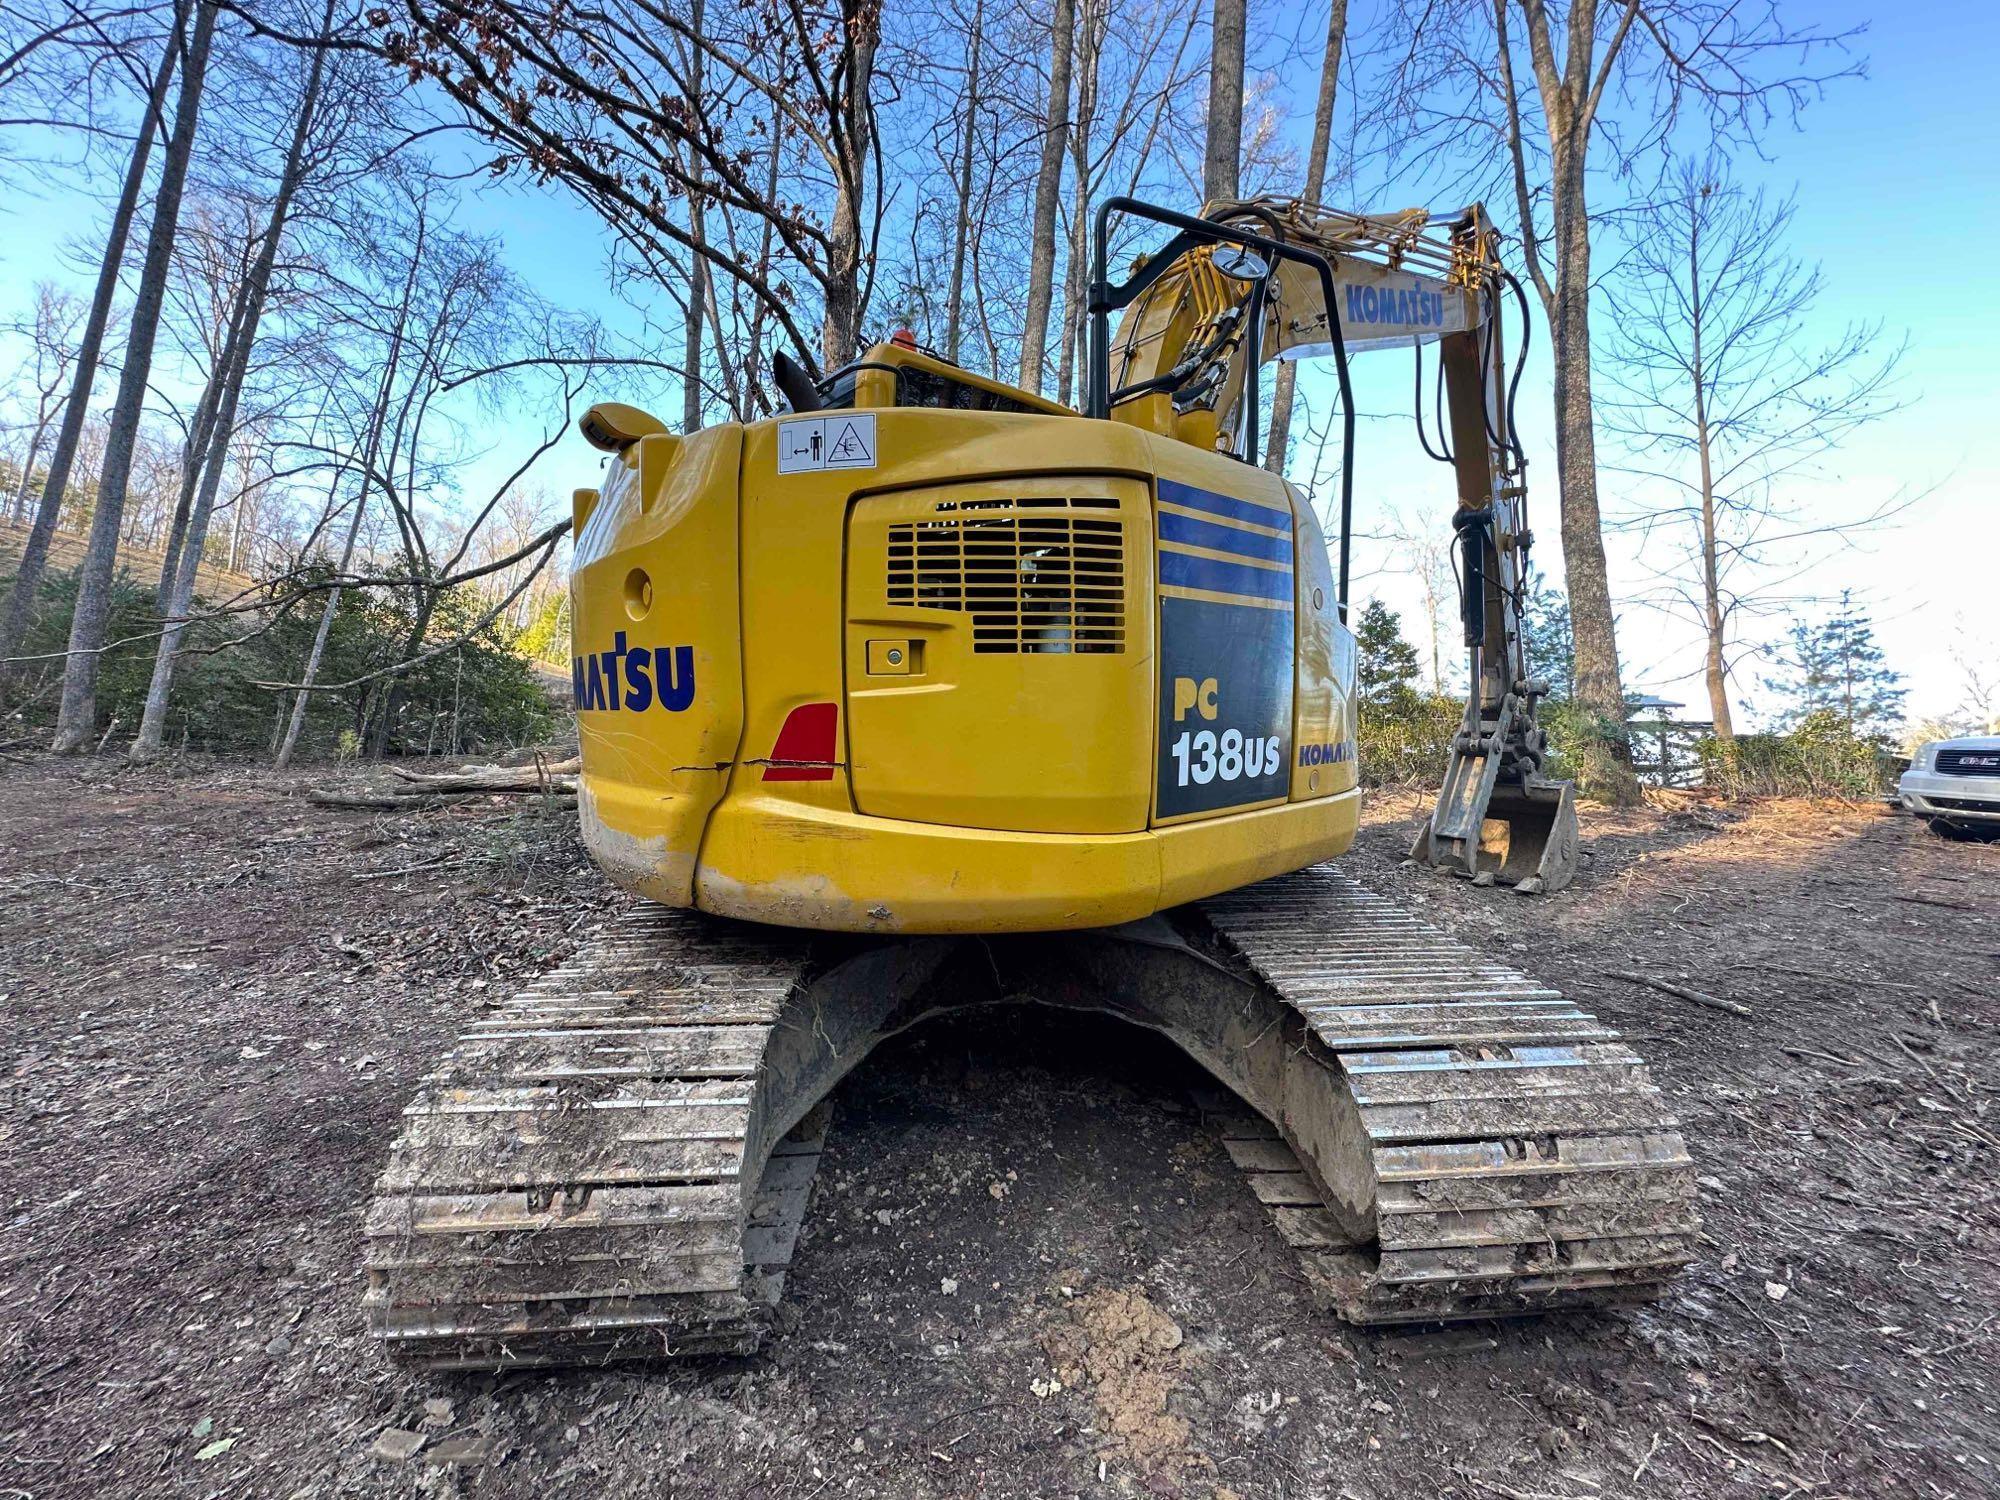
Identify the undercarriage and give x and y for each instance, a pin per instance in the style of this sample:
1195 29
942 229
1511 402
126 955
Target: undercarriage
615 1163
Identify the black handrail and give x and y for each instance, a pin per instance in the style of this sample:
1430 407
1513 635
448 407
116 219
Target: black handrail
1104 299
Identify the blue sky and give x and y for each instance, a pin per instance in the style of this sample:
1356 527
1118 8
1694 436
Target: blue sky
1894 177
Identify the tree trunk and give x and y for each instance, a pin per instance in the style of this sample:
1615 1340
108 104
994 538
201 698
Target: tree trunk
240 516
76 721
35 551
303 699
1222 163
1568 109
1607 754
1048 196
1714 621
186 565
963 231
392 686
697 294
842 330
372 446
693 326
27 470
235 365
1715 672
1089 49
197 448
1322 141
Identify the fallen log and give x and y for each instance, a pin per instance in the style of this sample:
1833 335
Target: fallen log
559 775
390 802
1682 992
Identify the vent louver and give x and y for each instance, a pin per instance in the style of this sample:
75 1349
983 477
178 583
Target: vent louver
1036 576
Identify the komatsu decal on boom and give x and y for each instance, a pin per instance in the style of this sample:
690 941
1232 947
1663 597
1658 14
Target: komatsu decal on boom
983 697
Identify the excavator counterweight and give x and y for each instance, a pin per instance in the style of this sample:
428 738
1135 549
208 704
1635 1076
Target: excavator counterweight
930 692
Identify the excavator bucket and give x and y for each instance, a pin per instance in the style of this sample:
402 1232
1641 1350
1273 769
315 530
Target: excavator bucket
1523 835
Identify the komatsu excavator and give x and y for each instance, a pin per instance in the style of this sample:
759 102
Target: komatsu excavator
927 660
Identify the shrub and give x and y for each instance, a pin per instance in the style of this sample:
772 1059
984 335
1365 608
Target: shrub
1822 757
485 693
1405 737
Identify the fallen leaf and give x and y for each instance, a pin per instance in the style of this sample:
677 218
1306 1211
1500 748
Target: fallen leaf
215 1449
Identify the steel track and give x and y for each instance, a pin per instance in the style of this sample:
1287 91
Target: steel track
582 1179
571 1186
1523 1158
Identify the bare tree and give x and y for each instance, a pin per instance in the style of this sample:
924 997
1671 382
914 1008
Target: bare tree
76 720
62 459
599 100
52 335
1222 161
695 319
215 261
1737 66
1048 197
234 364
400 313
1093 28
1722 396
1429 557
1979 677
1315 186
1127 97
962 225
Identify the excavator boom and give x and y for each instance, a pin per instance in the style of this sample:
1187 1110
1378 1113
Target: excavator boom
1278 278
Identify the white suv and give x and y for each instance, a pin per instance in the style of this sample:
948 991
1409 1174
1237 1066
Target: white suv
1955 785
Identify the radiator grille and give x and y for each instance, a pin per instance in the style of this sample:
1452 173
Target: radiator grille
1035 575
1968 762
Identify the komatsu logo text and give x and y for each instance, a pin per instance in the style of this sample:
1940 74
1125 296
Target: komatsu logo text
634 677
1367 304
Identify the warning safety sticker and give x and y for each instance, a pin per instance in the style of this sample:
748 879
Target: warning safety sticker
840 441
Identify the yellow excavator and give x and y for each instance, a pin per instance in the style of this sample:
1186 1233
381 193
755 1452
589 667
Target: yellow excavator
930 692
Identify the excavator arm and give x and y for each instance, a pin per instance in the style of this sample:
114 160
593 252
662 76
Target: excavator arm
1272 278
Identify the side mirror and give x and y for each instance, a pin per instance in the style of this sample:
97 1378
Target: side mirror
1238 263
613 427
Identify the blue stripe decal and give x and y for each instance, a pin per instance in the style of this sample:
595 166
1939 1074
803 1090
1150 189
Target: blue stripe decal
1182 571
1173 492
1193 533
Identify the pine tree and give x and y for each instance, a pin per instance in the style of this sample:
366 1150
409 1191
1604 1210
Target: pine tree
1546 638
1835 667
1388 664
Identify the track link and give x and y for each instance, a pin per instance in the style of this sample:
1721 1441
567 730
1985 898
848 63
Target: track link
1523 1160
572 1185
594 1171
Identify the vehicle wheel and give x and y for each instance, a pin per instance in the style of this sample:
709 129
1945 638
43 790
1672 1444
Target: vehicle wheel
1965 833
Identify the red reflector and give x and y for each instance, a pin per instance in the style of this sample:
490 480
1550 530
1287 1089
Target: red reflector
805 748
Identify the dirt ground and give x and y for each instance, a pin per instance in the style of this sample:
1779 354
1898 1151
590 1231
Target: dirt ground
1029 1269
